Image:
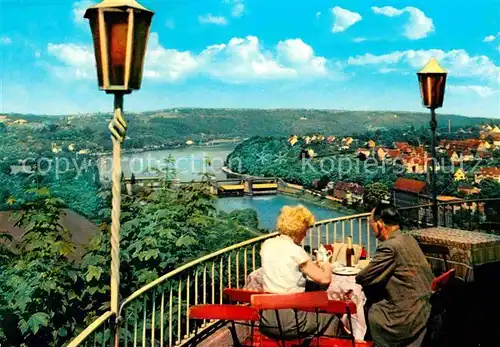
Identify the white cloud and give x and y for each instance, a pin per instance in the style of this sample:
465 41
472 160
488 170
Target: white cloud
388 11
78 61
211 19
343 19
242 60
457 62
5 40
238 61
79 8
482 91
418 25
238 9
491 38
167 64
359 39
301 56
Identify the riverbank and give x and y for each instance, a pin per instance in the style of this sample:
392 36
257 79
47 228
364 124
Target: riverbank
167 148
299 192
315 198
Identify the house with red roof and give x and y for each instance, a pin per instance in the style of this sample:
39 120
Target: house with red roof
349 192
408 192
487 172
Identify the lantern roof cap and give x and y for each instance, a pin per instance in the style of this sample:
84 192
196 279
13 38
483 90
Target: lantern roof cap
432 67
117 4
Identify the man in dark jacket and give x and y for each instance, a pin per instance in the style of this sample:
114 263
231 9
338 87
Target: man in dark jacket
397 283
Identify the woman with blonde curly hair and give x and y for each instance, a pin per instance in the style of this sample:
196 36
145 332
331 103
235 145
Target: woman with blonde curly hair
285 266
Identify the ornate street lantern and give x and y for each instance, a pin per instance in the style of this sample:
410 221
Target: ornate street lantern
120 30
432 81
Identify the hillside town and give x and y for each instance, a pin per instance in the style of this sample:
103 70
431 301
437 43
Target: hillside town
468 161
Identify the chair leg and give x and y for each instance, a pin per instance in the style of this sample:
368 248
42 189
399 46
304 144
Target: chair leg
252 325
349 320
234 335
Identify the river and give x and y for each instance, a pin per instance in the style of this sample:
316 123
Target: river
191 162
268 207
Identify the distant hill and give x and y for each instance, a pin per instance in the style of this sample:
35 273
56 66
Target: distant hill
177 124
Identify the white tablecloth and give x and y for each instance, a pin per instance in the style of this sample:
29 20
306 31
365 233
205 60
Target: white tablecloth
338 289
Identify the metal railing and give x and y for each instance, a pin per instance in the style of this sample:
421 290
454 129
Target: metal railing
337 229
99 333
476 214
157 314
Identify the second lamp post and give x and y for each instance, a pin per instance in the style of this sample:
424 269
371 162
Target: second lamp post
432 80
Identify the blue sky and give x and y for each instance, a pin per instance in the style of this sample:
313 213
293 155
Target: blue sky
360 55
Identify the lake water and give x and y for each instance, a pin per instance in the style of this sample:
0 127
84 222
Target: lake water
268 208
192 162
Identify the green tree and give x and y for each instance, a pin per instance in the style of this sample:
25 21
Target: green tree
374 193
39 284
489 188
247 217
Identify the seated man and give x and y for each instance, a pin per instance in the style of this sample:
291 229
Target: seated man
397 283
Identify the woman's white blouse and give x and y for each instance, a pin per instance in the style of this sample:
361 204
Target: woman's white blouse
281 258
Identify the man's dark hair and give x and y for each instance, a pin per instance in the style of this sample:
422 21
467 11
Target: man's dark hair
387 213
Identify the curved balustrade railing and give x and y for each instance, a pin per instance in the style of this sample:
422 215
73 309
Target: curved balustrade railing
156 314
96 334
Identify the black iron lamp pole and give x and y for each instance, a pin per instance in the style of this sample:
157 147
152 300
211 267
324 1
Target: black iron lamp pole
432 80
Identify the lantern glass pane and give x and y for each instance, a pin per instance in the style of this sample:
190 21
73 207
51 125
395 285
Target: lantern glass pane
142 24
117 31
432 89
94 26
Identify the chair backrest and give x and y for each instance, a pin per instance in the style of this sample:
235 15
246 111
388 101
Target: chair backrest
428 248
297 301
440 250
340 307
441 281
240 295
224 312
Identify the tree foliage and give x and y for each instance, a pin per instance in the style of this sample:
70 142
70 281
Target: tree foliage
374 193
38 282
46 298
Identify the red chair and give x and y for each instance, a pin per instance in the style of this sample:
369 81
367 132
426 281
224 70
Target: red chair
439 326
224 312
364 254
234 295
309 301
441 282
340 308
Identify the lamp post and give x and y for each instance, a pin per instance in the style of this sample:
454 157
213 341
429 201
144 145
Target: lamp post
120 31
432 80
